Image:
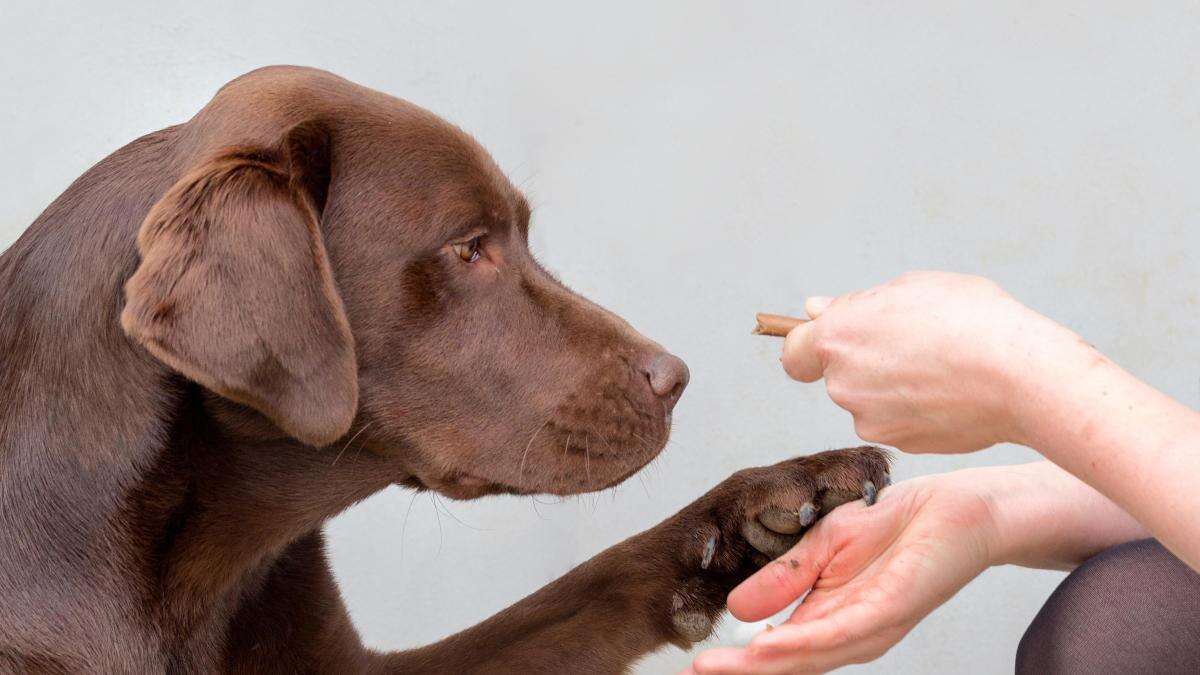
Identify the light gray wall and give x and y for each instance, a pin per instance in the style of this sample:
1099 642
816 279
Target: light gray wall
691 163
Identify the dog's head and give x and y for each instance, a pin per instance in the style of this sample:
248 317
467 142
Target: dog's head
356 270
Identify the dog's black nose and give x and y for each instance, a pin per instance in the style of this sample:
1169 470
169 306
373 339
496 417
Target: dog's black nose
668 375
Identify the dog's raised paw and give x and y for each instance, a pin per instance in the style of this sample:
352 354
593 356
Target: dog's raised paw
776 504
757 515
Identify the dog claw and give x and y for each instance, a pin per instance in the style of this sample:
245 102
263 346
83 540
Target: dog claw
808 514
710 548
870 493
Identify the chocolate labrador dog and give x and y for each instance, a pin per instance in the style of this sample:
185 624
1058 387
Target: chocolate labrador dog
199 328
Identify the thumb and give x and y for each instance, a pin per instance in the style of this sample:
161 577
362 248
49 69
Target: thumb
816 305
800 358
781 582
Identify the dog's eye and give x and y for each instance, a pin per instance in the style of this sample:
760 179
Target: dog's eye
467 250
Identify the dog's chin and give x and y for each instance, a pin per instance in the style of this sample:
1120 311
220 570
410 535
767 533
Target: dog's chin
559 460
462 485
594 474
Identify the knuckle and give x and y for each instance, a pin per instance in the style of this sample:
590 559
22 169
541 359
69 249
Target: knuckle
795 365
793 343
868 430
838 392
840 635
803 357
822 342
825 345
982 283
862 426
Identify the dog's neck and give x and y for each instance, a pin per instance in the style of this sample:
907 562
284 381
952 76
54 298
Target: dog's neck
82 410
206 501
218 505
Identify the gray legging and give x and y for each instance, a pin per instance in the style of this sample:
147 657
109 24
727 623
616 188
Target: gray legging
1133 608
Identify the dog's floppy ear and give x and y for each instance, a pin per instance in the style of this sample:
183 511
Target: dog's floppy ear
235 292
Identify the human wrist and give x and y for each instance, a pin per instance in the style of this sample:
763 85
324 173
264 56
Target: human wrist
1015 497
1012 517
1039 371
1046 518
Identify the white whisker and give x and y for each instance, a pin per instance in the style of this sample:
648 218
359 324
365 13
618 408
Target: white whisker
339 455
644 488
587 461
521 470
446 509
534 502
439 522
404 527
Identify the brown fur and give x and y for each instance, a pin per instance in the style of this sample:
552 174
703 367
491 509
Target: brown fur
201 327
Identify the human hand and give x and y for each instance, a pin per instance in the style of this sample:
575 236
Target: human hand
875 571
931 361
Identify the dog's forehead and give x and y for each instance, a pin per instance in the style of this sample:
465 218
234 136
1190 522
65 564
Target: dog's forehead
446 166
404 157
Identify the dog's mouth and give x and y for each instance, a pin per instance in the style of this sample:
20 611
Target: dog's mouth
556 462
464 485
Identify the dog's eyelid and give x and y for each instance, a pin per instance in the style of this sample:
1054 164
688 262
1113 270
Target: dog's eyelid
467 234
469 249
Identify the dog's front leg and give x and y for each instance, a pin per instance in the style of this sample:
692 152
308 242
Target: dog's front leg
665 585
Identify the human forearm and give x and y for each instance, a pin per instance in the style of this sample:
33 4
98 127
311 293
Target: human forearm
1129 441
1046 518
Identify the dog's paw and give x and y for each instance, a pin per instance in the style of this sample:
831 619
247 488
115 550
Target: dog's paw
755 516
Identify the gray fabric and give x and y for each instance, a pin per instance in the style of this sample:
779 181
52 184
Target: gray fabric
1133 608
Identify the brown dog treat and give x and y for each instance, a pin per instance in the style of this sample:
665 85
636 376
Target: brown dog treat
776 325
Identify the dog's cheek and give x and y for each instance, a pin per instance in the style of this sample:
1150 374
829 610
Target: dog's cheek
425 290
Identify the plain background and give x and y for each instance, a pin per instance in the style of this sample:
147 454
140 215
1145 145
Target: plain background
691 163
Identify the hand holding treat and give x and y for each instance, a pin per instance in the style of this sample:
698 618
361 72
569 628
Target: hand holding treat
930 362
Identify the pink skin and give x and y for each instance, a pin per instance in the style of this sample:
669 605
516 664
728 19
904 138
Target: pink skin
878 571
949 363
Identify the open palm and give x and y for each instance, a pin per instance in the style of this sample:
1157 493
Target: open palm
875 572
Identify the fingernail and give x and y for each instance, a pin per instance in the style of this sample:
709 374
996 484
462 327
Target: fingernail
817 304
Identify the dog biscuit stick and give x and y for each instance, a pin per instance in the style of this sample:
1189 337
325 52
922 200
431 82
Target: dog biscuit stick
775 324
